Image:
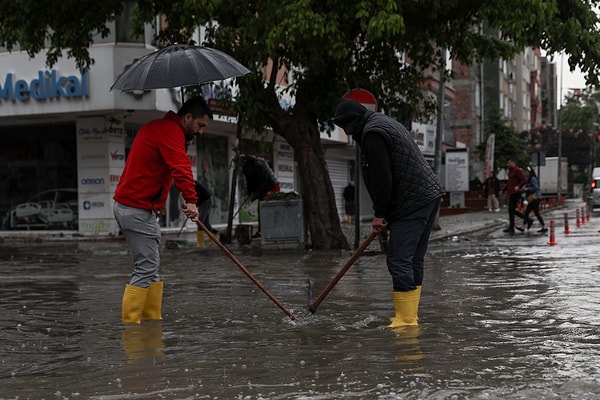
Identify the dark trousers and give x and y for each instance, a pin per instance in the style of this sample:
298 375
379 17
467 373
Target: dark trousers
535 207
513 200
409 239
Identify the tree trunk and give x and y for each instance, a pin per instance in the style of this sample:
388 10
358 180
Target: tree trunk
317 191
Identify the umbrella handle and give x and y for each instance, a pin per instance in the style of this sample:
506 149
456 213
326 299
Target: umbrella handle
346 267
244 270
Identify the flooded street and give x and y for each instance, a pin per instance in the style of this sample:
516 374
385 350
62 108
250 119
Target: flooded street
500 318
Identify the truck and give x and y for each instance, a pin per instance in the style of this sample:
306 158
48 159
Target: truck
548 176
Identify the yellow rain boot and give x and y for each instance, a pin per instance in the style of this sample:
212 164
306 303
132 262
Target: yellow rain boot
419 300
134 299
200 238
406 305
153 302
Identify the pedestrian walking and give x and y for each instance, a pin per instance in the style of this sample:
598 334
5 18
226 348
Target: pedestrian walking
491 189
516 179
533 196
348 195
406 197
157 156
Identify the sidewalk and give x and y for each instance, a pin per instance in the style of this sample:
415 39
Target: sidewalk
448 226
461 224
472 222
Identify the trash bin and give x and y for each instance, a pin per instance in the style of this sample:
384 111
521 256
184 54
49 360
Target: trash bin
282 224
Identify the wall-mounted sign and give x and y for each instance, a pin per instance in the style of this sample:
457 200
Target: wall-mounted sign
457 170
47 86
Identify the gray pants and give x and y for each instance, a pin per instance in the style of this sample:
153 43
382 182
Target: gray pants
142 232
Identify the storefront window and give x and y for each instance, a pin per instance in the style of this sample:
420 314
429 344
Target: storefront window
213 172
38 177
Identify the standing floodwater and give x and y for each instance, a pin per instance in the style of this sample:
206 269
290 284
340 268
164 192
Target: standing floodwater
501 318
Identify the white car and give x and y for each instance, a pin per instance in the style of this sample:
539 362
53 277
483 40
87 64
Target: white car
593 197
50 209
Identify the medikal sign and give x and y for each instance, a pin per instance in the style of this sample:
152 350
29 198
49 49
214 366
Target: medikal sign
47 86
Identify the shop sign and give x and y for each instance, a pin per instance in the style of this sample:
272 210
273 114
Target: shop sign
95 205
117 155
48 85
94 180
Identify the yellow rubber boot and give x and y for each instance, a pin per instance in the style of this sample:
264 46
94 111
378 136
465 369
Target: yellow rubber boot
200 238
132 306
418 301
153 303
406 306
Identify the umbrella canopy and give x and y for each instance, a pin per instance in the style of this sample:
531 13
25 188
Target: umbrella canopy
179 65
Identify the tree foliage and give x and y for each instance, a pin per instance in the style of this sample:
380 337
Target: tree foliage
388 47
359 42
507 144
51 27
579 132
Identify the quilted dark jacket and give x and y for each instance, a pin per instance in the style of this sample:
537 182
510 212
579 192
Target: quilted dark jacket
414 184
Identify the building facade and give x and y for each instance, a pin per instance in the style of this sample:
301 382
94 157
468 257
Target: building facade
522 90
64 139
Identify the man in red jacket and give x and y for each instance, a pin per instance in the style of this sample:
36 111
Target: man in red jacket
157 156
516 179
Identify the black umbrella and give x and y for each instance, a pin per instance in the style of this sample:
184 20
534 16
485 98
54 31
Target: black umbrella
179 65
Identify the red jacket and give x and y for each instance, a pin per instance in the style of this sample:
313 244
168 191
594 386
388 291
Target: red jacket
157 156
516 177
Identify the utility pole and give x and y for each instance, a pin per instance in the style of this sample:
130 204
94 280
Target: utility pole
439 136
437 164
559 174
595 113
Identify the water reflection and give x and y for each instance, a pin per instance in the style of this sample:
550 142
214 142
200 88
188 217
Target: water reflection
143 341
409 352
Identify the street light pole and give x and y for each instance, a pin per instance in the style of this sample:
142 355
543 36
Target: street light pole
593 139
559 173
437 163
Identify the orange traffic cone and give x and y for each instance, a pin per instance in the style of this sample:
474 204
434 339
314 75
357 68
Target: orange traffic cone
567 231
552 241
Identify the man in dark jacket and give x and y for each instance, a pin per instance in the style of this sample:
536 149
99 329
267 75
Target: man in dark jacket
260 180
406 197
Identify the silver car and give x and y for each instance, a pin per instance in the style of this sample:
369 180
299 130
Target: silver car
593 198
50 209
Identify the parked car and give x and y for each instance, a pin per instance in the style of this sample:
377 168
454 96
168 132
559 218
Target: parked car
593 197
50 209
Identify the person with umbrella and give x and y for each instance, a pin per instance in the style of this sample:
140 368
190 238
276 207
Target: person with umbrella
157 156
